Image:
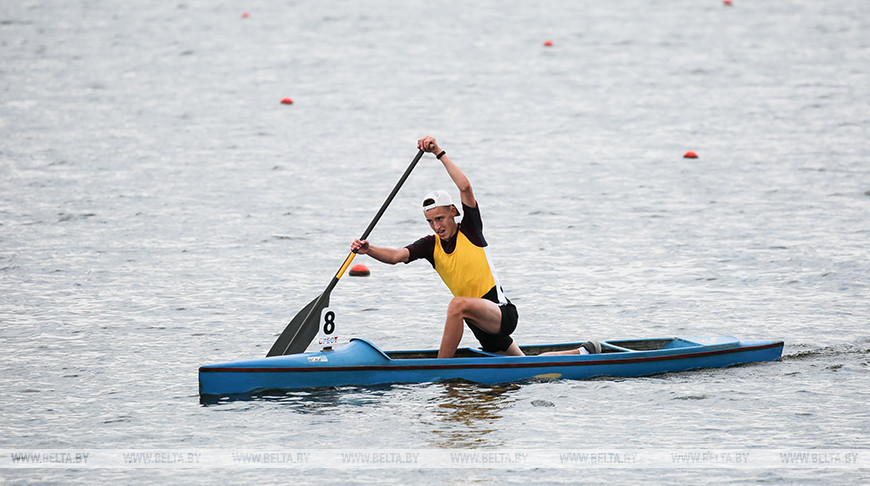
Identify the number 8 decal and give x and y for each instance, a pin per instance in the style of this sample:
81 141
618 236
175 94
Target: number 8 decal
328 322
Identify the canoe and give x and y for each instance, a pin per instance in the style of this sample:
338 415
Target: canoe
361 363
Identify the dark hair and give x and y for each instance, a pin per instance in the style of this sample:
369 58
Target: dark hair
428 201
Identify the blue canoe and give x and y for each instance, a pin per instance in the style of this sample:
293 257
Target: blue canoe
362 363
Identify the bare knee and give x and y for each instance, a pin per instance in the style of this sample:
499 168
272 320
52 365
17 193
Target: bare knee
458 307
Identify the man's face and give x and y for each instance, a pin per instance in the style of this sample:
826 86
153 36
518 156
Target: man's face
442 220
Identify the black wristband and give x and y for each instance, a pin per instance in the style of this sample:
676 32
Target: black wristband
440 155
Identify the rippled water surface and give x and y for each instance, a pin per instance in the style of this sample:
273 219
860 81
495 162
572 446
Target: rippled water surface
161 210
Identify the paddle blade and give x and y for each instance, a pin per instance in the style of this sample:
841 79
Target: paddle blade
302 329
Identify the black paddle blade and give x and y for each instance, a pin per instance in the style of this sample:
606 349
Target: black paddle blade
302 329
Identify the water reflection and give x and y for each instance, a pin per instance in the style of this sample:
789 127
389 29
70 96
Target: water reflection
448 415
311 401
467 414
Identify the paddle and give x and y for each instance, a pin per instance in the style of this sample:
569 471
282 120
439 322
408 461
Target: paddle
303 328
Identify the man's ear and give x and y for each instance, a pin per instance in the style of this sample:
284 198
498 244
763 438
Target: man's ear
454 211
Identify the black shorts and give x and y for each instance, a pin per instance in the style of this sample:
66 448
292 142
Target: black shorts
496 343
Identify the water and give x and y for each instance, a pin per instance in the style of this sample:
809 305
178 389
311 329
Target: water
160 210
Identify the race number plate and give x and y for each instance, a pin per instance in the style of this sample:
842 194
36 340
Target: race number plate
327 335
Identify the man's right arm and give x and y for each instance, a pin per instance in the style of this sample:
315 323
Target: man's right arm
381 254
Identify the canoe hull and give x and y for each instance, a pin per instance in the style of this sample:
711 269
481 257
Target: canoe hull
362 363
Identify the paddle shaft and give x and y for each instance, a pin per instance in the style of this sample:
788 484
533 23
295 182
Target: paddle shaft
377 218
303 328
392 195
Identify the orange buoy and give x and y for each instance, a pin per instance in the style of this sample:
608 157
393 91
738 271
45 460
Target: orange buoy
548 43
359 270
690 155
286 101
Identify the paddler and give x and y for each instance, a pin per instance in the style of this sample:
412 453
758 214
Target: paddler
460 255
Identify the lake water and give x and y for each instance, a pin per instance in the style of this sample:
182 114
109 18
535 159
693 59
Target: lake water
160 209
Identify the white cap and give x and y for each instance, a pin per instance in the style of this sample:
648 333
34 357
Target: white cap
437 199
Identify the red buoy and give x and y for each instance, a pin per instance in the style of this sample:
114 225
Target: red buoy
359 270
286 101
548 43
727 3
690 155
245 15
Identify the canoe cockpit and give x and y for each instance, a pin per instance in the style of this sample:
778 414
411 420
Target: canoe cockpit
615 346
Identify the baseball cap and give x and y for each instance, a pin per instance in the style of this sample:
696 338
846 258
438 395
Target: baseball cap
437 199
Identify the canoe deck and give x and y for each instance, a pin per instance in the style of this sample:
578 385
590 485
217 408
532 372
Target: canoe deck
362 363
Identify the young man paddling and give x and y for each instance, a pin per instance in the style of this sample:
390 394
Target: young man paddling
459 254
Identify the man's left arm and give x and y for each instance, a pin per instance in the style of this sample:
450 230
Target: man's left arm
466 194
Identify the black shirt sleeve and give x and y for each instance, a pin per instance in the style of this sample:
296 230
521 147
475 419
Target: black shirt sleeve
472 225
422 248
